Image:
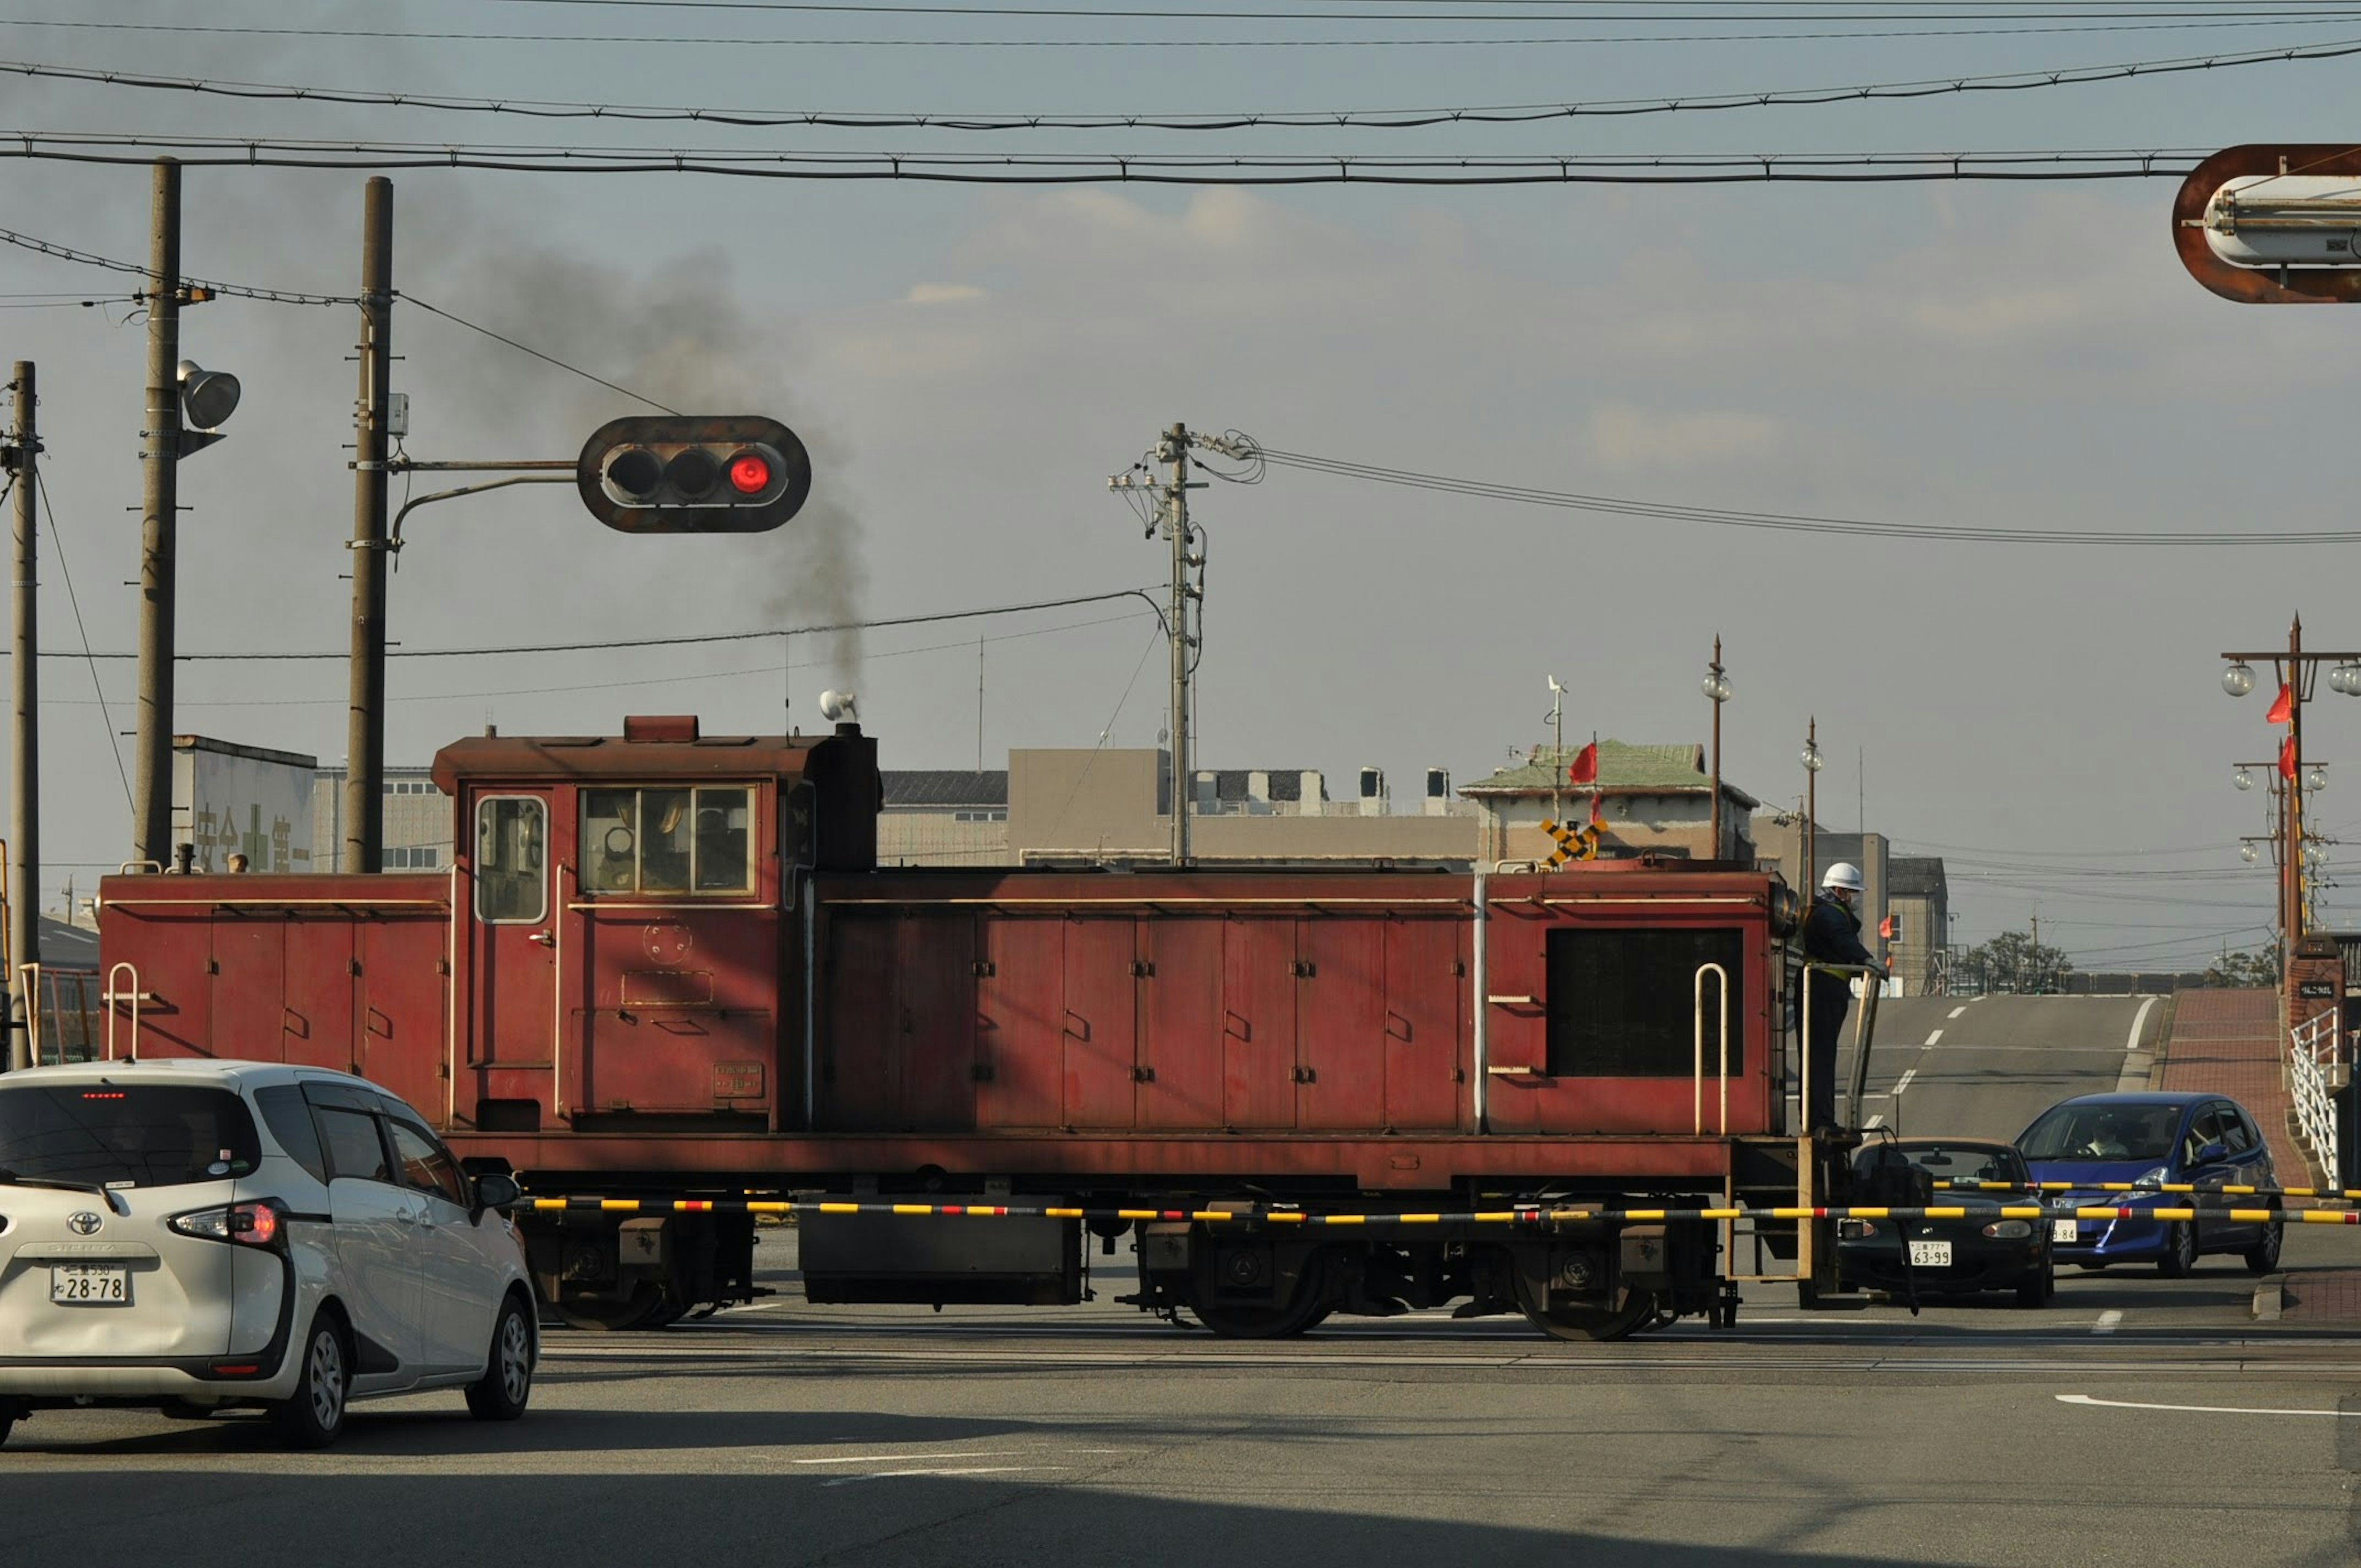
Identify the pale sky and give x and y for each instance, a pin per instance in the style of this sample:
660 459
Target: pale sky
970 363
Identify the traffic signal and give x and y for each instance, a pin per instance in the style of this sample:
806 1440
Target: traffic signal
656 474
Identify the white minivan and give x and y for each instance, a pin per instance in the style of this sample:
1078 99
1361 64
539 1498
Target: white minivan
196 1235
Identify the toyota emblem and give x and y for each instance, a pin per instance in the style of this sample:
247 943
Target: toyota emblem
84 1224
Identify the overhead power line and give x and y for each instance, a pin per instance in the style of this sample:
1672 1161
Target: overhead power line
1108 169
2014 27
112 264
1375 119
612 644
1560 11
1789 523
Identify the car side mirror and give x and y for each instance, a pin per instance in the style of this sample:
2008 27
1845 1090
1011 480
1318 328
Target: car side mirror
2214 1152
495 1191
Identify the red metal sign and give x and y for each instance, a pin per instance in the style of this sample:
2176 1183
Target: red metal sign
2261 285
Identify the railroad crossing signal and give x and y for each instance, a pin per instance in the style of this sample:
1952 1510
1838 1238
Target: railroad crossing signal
654 474
2272 225
1573 843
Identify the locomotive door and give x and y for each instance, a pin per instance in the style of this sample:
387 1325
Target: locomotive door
514 949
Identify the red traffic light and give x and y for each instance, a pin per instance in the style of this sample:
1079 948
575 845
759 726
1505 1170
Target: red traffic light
750 473
653 474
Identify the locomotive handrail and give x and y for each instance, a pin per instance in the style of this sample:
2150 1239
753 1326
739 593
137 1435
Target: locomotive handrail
557 872
29 976
1722 988
152 867
135 996
1314 900
610 906
234 900
1655 899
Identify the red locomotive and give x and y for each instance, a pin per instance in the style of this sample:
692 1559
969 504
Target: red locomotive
665 965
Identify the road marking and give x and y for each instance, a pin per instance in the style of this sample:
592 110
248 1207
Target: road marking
2201 1410
896 1474
902 1458
1934 1037
2135 1064
1955 1012
2107 1321
1904 1082
1873 1121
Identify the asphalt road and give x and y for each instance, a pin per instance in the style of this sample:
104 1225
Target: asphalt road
2136 1420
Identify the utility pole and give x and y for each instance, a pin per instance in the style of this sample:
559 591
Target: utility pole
1717 691
24 787
1557 751
1813 763
1175 452
152 783
364 828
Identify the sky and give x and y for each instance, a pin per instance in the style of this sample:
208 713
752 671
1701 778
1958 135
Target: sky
968 363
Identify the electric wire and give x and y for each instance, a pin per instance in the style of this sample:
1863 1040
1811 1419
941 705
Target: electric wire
537 353
1786 522
107 717
2031 165
1382 119
112 264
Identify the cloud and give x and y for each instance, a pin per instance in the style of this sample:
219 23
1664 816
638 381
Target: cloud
1621 435
941 293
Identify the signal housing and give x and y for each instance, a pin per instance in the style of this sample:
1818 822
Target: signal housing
659 473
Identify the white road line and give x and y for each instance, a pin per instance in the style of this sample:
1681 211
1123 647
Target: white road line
1904 1082
1955 1012
2135 1063
896 1474
2131 1041
902 1458
1873 1121
1934 1037
2107 1321
2201 1409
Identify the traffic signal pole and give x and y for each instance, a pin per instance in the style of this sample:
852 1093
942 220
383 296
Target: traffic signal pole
151 781
364 812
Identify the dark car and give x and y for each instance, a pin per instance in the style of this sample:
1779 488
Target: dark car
2152 1140
1949 1257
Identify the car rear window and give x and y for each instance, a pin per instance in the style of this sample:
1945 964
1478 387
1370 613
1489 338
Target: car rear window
134 1135
1953 1162
2102 1133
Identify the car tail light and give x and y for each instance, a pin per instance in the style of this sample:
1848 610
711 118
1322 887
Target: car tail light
262 1223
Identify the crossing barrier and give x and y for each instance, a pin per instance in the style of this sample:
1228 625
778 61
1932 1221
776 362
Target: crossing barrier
1519 1216
2320 1194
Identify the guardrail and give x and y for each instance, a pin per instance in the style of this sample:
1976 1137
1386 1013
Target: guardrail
1491 1217
2309 1087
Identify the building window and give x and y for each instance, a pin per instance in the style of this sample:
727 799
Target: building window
510 885
667 840
981 815
409 857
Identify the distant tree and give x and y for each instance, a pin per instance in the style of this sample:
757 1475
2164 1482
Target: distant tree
2014 961
2256 970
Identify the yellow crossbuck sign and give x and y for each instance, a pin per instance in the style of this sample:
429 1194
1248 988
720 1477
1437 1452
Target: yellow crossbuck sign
1573 843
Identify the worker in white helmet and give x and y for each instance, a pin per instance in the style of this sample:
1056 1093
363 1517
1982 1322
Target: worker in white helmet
1832 935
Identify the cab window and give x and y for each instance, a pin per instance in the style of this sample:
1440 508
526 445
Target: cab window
2205 1127
426 1165
667 840
2236 1131
510 889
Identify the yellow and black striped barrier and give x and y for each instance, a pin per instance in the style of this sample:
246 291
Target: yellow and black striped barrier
1512 1217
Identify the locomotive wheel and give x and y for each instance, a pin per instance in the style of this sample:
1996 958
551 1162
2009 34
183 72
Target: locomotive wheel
1309 1309
1587 1322
648 1306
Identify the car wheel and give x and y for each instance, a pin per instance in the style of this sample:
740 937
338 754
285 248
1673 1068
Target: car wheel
2037 1291
314 1414
2264 1255
499 1395
2179 1250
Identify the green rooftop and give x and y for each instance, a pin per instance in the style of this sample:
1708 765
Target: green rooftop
1621 767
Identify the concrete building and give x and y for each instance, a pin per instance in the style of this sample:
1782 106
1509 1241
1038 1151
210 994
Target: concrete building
944 818
1652 799
1779 838
1919 898
417 821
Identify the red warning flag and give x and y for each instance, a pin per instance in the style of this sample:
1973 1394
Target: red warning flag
2284 708
1584 769
1885 928
1597 821
2286 758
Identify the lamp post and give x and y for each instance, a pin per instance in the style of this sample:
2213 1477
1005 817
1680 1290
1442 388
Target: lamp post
1813 763
2296 672
1716 687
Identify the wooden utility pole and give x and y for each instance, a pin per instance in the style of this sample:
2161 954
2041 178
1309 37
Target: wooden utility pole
151 781
25 785
364 828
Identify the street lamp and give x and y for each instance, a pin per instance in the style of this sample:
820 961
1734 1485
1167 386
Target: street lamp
2243 778
2296 672
2315 778
1716 687
2238 679
2249 854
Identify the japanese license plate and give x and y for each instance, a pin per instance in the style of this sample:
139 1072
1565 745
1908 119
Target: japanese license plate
1930 1255
2062 1230
82 1285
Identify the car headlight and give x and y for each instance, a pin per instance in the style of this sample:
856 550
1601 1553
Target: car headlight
2150 1178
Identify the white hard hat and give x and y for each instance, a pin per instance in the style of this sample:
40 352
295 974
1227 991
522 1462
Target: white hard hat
1843 874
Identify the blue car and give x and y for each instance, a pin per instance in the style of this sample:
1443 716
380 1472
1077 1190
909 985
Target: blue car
2154 1138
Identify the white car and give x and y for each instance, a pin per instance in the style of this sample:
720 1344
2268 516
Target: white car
195 1235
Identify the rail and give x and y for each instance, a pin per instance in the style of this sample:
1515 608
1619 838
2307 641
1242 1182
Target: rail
1721 989
2312 1049
135 996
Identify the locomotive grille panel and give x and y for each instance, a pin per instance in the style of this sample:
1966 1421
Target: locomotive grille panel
1623 1004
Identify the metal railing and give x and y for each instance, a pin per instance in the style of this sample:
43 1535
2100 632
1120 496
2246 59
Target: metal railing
61 1012
2311 1054
1721 992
